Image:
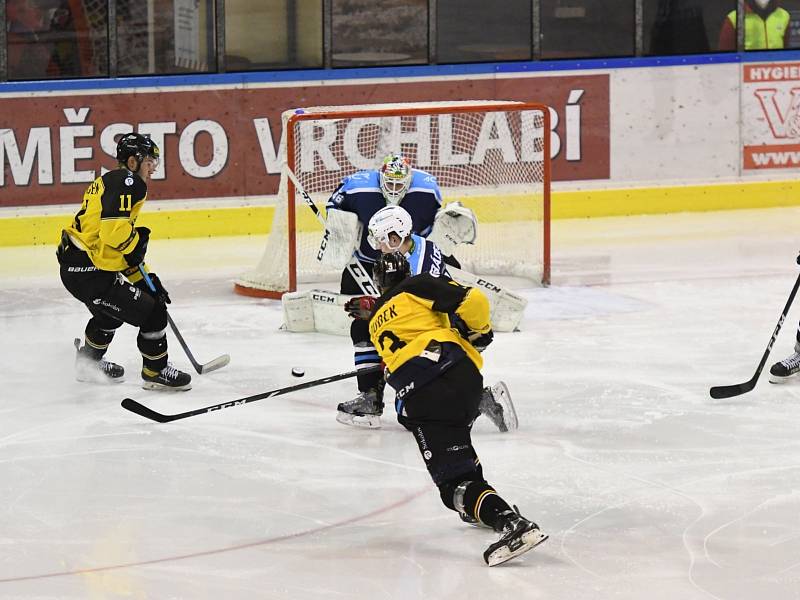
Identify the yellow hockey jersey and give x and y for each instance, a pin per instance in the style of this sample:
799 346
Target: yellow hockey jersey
105 225
415 313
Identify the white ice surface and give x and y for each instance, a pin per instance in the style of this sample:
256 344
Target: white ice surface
648 488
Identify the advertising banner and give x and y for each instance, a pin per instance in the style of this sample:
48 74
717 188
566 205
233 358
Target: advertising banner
770 116
222 142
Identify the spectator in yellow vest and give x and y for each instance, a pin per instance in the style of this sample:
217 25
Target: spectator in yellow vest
766 27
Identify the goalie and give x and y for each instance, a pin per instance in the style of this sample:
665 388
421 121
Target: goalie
345 243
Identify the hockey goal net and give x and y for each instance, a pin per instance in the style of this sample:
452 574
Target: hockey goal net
492 156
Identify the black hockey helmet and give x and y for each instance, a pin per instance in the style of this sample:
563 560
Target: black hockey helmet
137 145
391 269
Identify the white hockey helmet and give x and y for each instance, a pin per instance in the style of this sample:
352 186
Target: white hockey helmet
389 219
395 176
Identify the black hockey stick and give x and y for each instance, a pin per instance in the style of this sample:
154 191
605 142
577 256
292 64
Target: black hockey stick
212 365
728 391
357 270
149 413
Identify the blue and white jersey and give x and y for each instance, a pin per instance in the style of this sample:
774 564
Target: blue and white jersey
425 257
360 193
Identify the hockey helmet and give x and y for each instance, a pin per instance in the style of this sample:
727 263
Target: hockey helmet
389 219
395 177
391 269
137 145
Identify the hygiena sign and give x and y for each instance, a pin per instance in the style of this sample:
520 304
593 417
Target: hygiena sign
223 143
771 116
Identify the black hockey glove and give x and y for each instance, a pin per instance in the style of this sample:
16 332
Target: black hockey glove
481 340
136 256
159 294
360 307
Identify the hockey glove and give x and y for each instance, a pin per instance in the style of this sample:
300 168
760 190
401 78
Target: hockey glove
360 307
159 294
136 256
481 340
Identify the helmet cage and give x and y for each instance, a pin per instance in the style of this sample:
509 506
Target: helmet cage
395 177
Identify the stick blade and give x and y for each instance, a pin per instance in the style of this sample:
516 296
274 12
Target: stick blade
729 391
215 364
141 410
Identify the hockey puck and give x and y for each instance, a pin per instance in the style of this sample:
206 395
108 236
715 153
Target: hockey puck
298 372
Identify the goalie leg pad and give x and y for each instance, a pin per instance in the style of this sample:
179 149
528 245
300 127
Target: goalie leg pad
316 310
507 308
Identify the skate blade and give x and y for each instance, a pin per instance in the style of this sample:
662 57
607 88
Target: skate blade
787 379
530 540
503 397
99 379
160 387
365 422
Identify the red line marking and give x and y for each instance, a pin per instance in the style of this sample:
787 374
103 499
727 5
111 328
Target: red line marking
235 548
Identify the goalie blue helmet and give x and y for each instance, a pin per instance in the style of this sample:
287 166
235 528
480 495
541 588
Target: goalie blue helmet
391 269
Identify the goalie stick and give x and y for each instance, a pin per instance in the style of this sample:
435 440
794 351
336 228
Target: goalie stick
212 365
356 269
728 391
149 413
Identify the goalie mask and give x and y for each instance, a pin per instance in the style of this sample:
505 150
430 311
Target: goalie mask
388 220
390 270
395 178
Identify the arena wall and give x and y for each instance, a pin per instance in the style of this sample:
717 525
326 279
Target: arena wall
631 136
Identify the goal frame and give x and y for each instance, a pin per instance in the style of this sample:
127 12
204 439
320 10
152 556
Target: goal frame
393 110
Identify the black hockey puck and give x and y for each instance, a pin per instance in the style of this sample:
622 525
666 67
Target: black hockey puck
298 372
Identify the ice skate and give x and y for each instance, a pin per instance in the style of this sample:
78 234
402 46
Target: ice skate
496 404
89 369
786 369
517 536
168 379
364 410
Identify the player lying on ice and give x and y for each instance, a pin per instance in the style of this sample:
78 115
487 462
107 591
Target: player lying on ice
436 375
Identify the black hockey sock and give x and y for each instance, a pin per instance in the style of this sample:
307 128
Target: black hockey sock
96 340
482 502
153 350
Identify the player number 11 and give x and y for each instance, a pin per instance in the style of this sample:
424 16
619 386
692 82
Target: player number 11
125 202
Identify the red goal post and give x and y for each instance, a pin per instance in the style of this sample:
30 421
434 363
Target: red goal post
492 156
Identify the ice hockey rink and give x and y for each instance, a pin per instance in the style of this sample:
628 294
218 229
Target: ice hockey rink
648 488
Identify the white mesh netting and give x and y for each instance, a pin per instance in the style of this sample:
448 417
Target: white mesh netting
488 155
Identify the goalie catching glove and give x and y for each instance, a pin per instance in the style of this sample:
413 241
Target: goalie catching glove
454 224
360 307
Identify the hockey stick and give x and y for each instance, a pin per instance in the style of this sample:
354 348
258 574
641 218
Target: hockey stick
149 413
212 365
728 391
356 269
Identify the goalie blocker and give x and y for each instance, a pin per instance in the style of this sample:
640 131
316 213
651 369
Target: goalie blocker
323 311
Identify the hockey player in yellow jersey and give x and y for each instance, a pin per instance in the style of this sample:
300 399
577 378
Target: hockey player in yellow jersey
435 371
100 256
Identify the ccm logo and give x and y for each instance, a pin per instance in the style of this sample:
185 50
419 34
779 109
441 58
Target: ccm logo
324 298
226 405
488 285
